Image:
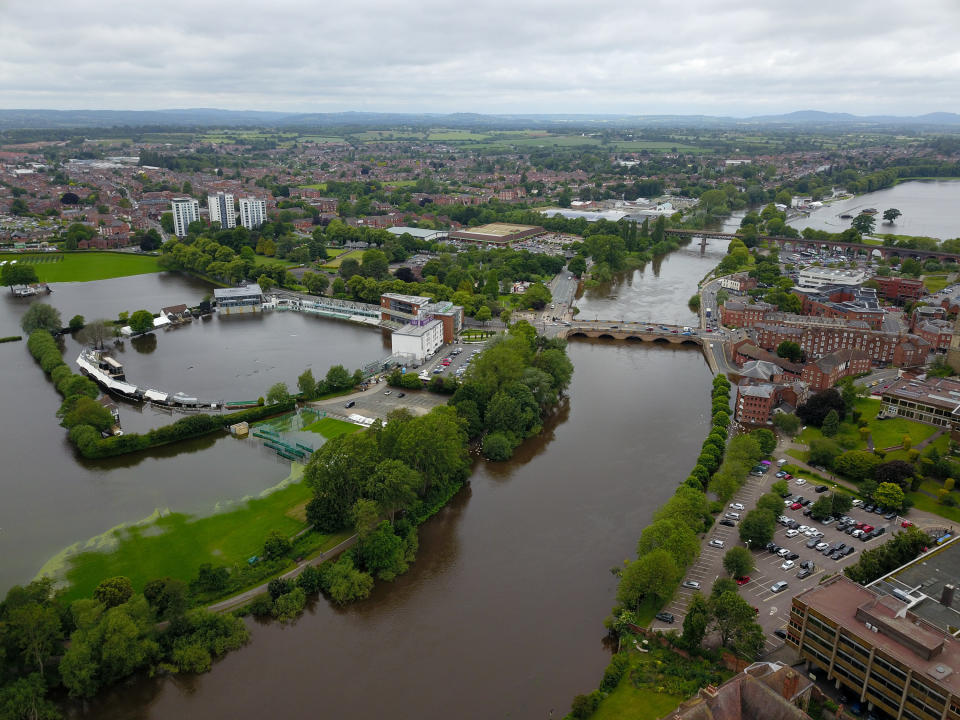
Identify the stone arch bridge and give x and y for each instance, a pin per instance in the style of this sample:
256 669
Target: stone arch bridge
657 333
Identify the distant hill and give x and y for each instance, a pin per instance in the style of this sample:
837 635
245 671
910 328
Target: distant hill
212 117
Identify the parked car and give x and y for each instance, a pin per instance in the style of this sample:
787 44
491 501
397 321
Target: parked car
803 573
692 584
868 508
889 516
828 521
781 474
736 506
795 506
820 488
715 543
868 528
822 546
849 550
792 556
783 552
906 523
792 533
665 617
742 580
812 542
779 586
732 515
728 523
775 550
787 565
800 481
780 634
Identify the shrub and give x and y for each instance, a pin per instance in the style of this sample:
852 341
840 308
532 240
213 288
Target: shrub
261 606
289 605
498 446
278 587
615 671
309 580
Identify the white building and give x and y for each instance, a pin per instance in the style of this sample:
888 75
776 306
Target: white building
812 278
221 210
417 342
185 211
253 212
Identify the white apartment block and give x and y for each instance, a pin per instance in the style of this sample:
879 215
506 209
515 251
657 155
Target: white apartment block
253 212
185 211
221 210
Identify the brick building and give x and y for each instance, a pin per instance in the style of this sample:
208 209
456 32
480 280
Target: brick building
738 314
850 304
756 401
899 289
828 370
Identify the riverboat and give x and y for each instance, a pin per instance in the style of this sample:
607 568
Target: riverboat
846 216
869 211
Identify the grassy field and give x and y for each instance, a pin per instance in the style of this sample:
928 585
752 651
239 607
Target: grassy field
315 186
176 544
265 260
935 283
86 266
335 263
321 139
331 427
454 135
885 433
631 703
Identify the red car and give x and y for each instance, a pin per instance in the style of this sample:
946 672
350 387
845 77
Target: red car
742 580
796 506
906 523
868 528
445 363
788 476
860 525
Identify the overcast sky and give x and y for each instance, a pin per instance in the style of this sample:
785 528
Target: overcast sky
717 57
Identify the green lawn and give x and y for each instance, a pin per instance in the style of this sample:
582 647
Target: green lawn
885 433
631 703
335 263
315 186
331 427
266 260
84 266
935 283
176 544
922 501
890 432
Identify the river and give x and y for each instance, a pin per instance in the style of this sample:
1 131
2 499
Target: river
51 500
930 208
501 614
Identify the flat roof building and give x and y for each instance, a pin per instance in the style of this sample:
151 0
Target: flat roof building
935 401
496 233
419 233
185 211
220 209
253 212
879 648
812 278
238 300
415 343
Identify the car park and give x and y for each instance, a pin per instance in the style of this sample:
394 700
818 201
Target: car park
664 617
692 584
715 543
779 586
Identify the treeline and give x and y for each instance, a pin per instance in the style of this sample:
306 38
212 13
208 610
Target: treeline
189 162
86 419
898 550
670 544
92 643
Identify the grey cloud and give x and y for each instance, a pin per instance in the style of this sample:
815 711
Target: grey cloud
682 56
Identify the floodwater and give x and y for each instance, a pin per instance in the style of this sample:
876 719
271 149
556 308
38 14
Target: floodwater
49 499
501 614
930 208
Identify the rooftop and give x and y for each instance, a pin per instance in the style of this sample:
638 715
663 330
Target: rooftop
244 291
937 392
422 233
417 330
900 633
411 299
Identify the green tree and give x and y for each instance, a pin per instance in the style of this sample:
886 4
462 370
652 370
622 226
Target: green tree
276 545
674 537
738 561
765 439
831 424
26 699
696 621
537 296
345 583
732 615
891 214
141 321
863 224
577 266
18 274
76 323
113 591
83 410
787 423
40 316
483 314
653 575
790 350
757 528
316 283
167 596
857 464
35 629
278 393
889 495
338 378
822 508
307 385
394 485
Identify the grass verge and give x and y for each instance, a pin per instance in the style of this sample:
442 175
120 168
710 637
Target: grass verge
331 427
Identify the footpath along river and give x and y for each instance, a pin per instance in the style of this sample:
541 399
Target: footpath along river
501 615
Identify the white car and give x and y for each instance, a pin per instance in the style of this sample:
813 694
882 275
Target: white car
810 532
857 502
787 565
715 543
792 533
822 546
737 506
788 502
804 528
783 552
800 481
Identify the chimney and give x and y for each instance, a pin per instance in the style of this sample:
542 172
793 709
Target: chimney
791 681
946 597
